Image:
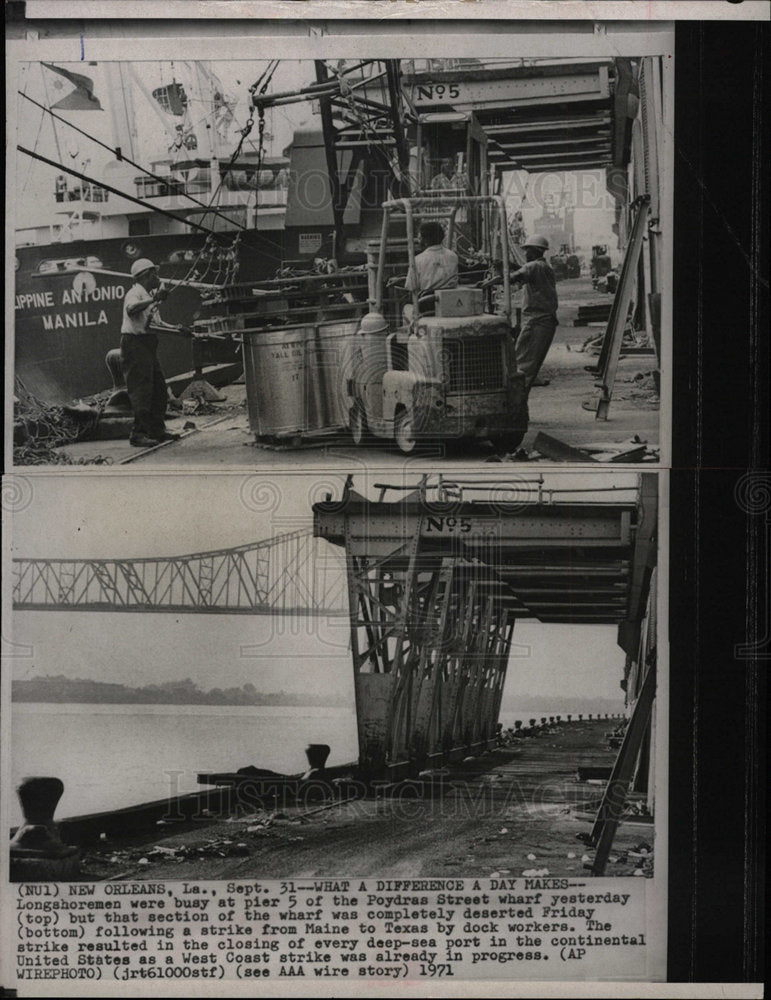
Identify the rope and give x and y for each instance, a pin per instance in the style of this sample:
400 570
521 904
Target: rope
112 190
232 268
104 145
37 140
42 428
245 131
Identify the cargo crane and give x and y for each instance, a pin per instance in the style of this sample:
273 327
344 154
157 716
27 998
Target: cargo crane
387 127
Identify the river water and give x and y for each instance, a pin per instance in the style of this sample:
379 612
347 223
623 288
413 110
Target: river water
110 756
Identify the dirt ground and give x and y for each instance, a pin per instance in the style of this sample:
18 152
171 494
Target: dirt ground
509 812
222 438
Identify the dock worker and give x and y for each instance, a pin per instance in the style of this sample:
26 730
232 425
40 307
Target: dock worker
145 381
539 309
435 267
444 180
517 233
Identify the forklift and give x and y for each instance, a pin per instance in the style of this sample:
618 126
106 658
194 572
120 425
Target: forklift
444 370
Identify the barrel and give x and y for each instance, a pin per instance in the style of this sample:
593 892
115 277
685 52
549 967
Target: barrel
296 378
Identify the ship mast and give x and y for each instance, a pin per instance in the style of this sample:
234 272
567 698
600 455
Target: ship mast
122 112
203 83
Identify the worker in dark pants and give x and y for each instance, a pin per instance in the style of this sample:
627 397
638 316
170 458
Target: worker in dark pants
145 381
539 310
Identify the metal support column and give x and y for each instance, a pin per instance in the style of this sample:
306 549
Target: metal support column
614 799
330 147
614 333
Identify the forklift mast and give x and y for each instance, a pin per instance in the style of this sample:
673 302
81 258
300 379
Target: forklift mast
372 147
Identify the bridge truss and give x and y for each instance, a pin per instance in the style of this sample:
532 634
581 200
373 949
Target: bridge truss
290 574
436 587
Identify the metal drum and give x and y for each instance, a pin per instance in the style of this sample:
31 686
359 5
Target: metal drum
296 378
328 354
274 366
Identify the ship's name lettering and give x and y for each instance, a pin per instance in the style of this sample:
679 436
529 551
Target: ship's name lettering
63 321
69 297
40 300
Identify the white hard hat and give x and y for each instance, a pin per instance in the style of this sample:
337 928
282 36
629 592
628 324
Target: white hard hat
538 242
140 266
373 322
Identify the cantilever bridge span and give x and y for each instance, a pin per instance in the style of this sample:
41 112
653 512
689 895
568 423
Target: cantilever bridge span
291 573
433 589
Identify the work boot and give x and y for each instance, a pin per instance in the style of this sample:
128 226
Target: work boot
142 441
170 436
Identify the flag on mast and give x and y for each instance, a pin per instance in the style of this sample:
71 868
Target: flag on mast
81 98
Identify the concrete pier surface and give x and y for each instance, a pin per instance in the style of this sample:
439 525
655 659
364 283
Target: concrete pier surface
222 437
513 811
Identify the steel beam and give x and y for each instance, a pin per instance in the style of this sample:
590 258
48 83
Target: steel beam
435 592
508 141
506 162
473 90
558 127
468 525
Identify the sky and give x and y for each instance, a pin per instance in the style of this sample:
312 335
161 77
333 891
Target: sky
117 516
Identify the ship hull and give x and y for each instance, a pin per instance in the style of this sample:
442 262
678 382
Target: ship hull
67 320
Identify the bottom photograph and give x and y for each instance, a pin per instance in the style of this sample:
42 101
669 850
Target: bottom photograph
296 677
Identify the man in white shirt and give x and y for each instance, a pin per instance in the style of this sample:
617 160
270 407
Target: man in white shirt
145 381
444 180
436 267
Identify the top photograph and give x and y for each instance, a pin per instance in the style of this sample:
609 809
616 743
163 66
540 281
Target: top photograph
337 262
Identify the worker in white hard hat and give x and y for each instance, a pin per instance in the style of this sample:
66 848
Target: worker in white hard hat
539 309
145 381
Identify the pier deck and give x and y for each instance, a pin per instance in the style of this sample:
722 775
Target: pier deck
223 438
501 813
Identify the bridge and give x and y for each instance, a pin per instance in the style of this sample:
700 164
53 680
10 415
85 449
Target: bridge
289 574
433 583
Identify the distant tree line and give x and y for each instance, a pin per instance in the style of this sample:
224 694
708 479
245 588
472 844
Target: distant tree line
522 704
184 692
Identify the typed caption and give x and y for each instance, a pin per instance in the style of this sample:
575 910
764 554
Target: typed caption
356 929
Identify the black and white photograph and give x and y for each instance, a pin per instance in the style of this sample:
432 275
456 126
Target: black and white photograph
385 509
348 678
303 262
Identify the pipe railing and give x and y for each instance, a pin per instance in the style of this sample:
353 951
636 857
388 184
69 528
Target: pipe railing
454 202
